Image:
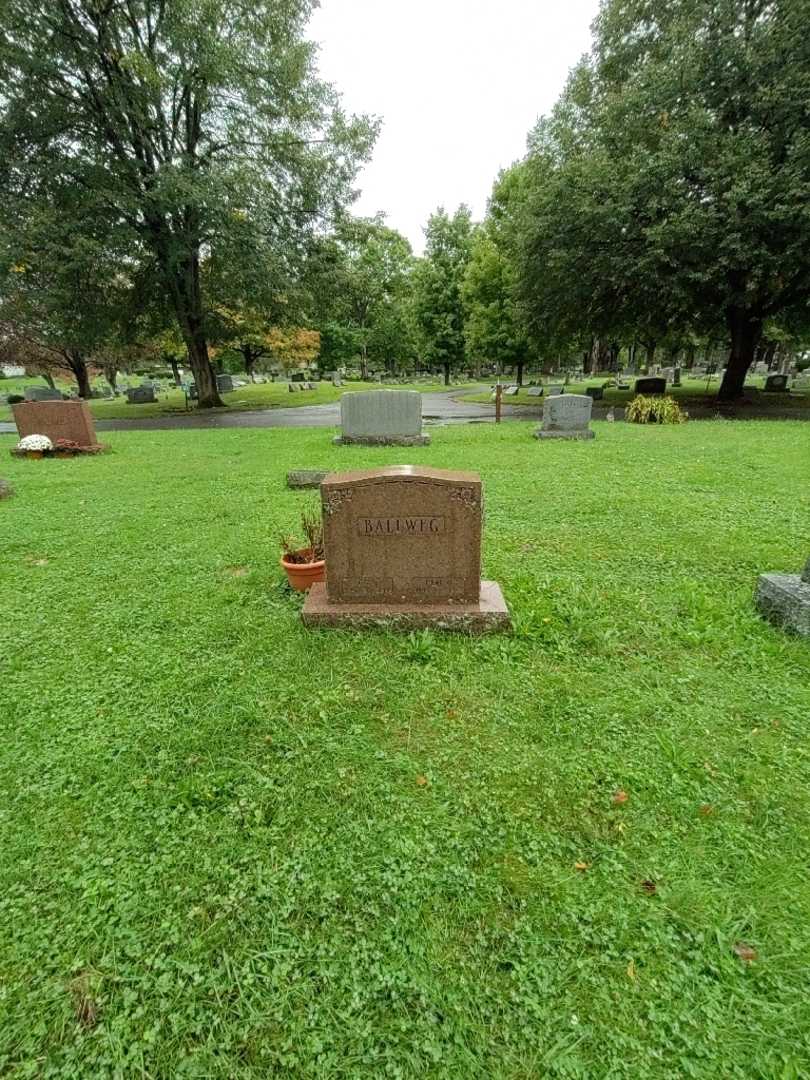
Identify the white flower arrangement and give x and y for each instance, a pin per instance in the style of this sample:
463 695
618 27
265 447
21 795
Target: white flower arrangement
35 442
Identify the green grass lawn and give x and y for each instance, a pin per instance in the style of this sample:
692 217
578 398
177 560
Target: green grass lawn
695 391
257 396
231 848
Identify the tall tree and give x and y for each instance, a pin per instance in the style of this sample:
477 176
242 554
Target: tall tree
494 330
201 128
672 188
359 280
437 289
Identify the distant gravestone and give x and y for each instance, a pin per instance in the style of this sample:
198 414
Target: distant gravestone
224 384
141 395
676 376
511 391
555 391
41 393
382 418
784 599
650 387
70 420
336 379
567 417
403 549
776 384
535 391
305 478
595 393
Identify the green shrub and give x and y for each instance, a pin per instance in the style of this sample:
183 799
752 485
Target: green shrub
654 410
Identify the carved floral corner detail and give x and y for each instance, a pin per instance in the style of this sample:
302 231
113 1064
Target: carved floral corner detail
335 500
467 497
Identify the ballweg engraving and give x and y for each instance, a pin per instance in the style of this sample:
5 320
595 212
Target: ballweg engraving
401 526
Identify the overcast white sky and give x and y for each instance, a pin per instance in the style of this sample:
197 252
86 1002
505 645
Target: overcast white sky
458 84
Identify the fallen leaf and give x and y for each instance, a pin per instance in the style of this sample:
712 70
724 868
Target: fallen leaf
620 797
746 953
84 1005
582 866
35 562
631 970
422 781
649 886
451 714
706 810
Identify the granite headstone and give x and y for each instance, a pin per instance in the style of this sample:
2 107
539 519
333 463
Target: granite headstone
403 548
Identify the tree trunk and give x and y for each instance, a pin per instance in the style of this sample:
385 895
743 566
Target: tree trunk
46 375
189 311
650 347
175 370
446 366
249 360
363 363
76 363
746 331
519 366
111 375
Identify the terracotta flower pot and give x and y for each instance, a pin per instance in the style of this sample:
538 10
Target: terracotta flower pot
302 576
35 455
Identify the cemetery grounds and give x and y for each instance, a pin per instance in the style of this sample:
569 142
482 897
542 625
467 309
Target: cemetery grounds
230 847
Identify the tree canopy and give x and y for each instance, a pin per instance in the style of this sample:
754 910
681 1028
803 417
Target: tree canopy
194 131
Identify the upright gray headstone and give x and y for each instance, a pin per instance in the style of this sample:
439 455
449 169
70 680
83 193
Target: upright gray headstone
535 391
653 387
776 384
566 417
382 417
42 393
141 395
224 384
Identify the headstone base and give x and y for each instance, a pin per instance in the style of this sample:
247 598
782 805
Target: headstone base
381 440
580 435
488 615
784 599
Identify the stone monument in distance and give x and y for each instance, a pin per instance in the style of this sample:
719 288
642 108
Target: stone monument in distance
382 418
403 549
567 416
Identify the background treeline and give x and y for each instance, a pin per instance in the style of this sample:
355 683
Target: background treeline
179 195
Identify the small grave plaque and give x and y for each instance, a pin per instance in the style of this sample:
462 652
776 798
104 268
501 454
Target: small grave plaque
784 599
403 547
566 417
535 391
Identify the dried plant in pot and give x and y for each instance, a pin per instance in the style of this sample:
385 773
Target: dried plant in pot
304 565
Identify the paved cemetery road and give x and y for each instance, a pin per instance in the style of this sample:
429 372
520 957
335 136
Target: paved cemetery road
441 407
437 407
